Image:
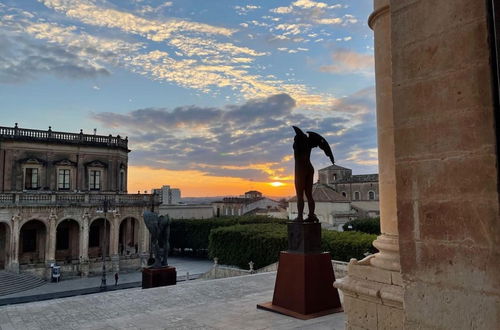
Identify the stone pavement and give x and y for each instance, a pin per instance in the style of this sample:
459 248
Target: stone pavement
228 303
183 265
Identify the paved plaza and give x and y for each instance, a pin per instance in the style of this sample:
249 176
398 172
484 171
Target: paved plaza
228 303
194 267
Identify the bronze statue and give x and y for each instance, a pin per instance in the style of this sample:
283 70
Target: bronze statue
304 171
159 228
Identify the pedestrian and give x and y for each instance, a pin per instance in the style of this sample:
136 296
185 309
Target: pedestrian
116 279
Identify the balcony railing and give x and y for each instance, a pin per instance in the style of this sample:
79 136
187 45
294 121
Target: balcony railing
75 199
16 133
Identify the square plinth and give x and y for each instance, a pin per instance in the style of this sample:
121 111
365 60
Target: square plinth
156 277
304 237
304 286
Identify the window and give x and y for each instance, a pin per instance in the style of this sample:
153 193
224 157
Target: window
95 180
122 180
31 178
344 194
63 180
356 195
371 195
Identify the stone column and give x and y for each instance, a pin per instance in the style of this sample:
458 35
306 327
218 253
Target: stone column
84 244
373 288
50 253
14 243
114 234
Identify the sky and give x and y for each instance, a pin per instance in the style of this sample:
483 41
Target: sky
206 91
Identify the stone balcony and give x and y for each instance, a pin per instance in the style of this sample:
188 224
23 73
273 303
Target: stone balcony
83 199
24 134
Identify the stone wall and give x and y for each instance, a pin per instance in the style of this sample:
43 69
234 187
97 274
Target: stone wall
13 153
446 164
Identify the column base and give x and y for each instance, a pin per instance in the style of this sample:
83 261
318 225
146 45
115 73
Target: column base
373 297
84 268
115 263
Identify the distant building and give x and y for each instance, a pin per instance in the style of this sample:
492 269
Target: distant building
363 187
169 196
253 194
243 205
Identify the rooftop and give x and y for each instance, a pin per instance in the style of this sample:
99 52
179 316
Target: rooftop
324 193
35 135
228 303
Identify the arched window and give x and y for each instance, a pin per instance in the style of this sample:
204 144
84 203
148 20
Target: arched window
371 195
356 195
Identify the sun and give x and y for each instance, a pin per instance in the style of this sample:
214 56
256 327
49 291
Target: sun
277 184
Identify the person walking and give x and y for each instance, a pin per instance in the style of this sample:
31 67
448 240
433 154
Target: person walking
116 279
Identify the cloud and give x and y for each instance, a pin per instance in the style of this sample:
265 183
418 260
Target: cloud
22 59
350 62
252 140
157 30
201 62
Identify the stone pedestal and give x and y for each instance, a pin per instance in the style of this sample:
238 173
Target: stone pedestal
155 277
304 282
115 263
304 237
84 268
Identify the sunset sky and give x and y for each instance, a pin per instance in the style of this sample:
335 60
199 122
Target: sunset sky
205 90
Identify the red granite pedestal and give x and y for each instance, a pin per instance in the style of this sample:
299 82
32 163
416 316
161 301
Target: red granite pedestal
304 282
155 277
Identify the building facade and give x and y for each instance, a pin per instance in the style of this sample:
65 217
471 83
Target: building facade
361 187
52 191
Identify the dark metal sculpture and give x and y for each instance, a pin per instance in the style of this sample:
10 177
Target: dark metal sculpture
304 171
159 229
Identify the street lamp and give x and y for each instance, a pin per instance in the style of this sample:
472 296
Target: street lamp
105 210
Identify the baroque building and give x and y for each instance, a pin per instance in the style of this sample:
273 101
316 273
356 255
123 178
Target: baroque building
52 191
361 187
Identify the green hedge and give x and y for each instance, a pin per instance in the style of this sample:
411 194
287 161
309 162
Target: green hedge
369 225
348 244
237 245
261 243
193 233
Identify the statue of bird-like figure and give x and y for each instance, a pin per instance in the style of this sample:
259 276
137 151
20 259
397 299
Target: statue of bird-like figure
304 171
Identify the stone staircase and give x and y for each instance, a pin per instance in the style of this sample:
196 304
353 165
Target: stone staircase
13 283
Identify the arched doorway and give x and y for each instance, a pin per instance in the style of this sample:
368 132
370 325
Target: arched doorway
67 241
128 239
4 244
32 242
96 238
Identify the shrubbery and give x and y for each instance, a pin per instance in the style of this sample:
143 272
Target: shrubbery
369 225
237 245
261 243
193 233
346 245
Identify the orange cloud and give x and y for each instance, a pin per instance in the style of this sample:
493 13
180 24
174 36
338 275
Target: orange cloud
198 184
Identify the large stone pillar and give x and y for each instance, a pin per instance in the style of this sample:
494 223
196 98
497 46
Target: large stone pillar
84 244
373 292
14 243
115 234
50 253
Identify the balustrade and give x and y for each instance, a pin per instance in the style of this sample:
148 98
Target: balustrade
26 133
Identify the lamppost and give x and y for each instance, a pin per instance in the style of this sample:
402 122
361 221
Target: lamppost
105 210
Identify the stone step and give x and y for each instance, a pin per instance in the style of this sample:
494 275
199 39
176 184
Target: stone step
12 283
